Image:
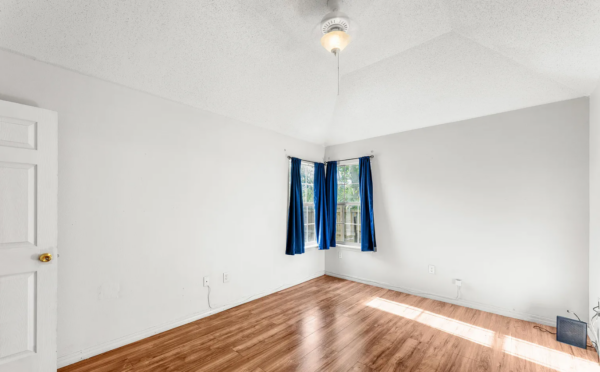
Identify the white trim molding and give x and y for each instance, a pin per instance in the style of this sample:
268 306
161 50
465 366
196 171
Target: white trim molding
466 303
83 354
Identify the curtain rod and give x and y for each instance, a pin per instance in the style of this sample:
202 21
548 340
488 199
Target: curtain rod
308 161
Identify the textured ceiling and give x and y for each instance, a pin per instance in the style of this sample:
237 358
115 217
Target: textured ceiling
411 64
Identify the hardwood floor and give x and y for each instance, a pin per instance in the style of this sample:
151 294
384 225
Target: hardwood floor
330 324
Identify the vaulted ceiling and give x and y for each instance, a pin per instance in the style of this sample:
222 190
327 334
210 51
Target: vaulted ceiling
411 64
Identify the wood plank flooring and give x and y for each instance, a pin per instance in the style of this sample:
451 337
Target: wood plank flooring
330 324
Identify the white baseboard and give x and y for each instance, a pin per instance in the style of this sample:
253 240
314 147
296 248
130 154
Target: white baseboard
77 356
466 303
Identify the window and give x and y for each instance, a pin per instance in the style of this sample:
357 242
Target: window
307 173
348 205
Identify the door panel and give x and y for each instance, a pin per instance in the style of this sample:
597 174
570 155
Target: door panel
17 292
28 228
17 198
17 132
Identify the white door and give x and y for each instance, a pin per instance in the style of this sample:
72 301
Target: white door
28 229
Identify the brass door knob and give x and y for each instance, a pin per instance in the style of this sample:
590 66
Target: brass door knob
46 257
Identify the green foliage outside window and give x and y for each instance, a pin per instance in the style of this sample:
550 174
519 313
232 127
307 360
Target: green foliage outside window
348 209
307 173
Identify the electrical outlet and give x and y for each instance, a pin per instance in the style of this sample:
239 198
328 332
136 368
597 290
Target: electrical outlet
206 281
458 282
225 278
431 269
340 253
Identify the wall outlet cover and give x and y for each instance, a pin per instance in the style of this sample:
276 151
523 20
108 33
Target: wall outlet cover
206 281
431 269
225 278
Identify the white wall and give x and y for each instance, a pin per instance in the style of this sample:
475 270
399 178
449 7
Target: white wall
154 195
594 279
500 202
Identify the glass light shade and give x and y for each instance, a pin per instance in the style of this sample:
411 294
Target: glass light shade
335 40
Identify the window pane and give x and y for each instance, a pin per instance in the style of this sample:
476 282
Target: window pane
343 174
305 234
310 231
340 214
352 214
309 217
310 174
339 233
352 195
352 233
308 195
302 173
353 173
340 195
340 174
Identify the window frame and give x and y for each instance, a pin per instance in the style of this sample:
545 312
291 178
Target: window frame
344 243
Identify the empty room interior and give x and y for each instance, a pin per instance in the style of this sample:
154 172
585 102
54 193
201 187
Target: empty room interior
300 185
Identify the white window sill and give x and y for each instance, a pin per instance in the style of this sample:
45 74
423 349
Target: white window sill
353 247
341 246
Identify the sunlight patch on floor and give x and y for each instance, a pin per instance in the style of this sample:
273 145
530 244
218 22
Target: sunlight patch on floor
525 350
547 357
455 327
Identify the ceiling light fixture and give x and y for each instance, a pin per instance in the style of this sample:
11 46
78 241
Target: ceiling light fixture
335 37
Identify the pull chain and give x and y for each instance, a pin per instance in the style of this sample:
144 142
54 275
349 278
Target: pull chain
336 52
338 60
